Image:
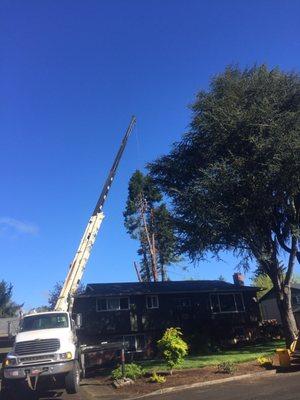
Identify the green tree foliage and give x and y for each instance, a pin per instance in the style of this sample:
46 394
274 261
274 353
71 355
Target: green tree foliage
147 219
173 347
8 308
165 239
55 292
234 179
263 282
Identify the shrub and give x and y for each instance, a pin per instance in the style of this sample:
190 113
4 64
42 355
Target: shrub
227 367
155 378
265 361
132 371
173 347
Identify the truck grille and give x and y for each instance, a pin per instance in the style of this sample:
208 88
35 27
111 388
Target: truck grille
36 359
37 346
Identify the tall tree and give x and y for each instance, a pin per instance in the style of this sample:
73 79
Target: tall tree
8 308
165 238
234 179
147 219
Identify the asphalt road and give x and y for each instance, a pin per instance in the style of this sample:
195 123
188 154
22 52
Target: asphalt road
53 395
277 387
61 395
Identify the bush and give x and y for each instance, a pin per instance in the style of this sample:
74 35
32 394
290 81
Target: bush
157 378
132 371
173 347
227 367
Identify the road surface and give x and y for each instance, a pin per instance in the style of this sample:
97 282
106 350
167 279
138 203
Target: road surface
277 387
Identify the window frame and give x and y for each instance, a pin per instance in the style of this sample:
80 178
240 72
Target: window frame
296 299
219 304
135 342
151 297
112 298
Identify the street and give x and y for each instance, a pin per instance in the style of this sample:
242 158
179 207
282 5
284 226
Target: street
283 386
278 387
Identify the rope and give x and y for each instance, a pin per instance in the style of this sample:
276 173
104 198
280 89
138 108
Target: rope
28 379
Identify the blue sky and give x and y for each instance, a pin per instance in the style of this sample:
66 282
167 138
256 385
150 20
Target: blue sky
72 73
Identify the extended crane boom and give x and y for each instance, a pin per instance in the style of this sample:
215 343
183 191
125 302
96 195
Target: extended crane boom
77 267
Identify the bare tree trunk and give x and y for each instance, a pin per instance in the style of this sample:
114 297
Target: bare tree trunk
289 325
150 243
282 288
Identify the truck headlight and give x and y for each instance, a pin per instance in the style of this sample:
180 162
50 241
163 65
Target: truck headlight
10 361
66 356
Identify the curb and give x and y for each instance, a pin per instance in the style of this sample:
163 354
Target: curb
204 384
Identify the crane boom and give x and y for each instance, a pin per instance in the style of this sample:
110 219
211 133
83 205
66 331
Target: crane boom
77 267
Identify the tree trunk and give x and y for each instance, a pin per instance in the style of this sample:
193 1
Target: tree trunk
282 290
289 325
163 273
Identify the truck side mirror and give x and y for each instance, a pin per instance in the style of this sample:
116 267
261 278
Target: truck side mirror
78 321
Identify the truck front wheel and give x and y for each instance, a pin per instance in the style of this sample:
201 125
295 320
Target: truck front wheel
72 379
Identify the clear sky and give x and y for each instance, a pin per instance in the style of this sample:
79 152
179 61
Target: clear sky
72 73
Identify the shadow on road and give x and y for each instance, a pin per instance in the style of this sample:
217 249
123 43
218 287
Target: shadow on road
49 395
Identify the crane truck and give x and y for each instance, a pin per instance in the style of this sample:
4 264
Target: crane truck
46 350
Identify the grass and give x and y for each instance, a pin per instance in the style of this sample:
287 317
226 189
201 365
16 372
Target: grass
237 355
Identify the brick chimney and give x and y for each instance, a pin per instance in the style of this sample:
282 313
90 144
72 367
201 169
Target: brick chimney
238 279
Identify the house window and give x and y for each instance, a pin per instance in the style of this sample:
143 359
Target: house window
183 303
134 343
296 300
227 303
113 304
152 302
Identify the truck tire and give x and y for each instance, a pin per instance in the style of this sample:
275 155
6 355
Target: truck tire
72 379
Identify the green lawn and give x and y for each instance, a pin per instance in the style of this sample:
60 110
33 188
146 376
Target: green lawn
237 355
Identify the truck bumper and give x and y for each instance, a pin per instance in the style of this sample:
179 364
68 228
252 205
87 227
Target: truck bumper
39 369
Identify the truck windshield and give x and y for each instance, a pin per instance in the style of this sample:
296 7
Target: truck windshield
44 321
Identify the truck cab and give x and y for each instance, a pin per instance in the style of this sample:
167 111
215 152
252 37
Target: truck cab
45 349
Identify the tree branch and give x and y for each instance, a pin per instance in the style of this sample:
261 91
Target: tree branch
291 263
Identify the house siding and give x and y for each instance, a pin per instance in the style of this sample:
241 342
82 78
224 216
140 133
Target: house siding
270 310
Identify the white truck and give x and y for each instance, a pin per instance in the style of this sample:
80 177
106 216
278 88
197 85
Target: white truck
46 351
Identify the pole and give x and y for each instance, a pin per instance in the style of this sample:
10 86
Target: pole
123 360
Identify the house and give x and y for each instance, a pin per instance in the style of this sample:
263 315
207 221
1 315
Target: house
8 329
269 307
139 312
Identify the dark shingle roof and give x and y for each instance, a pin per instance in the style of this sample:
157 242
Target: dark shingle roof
136 288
